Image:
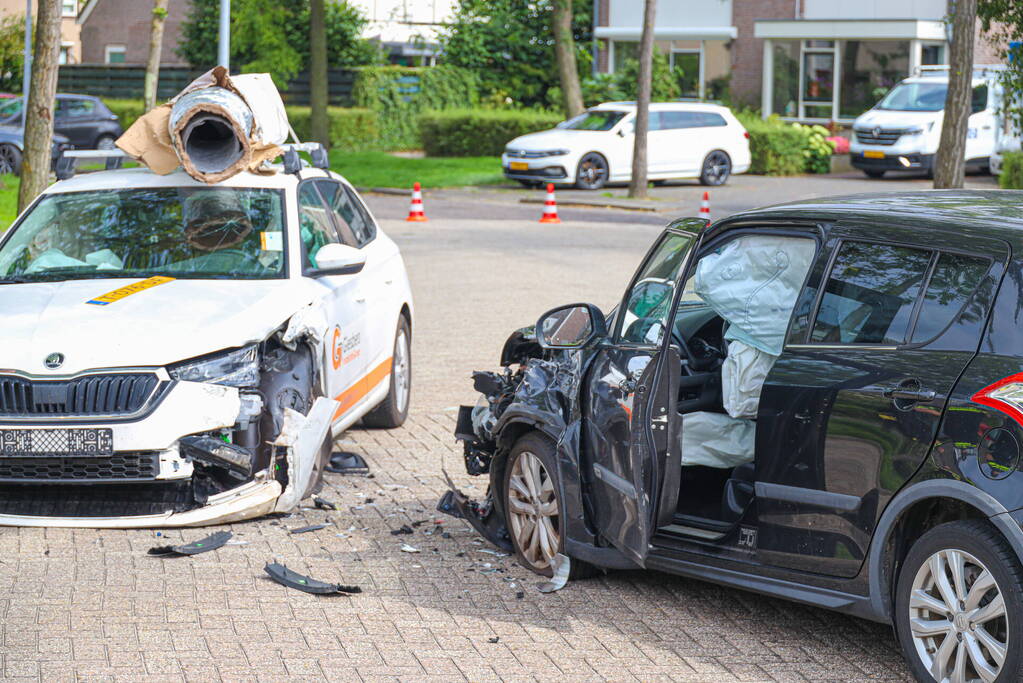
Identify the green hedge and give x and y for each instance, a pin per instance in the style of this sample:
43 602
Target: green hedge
779 148
398 95
126 111
478 132
1011 177
351 130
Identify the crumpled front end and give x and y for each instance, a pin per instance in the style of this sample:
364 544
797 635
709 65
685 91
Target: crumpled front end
226 437
535 391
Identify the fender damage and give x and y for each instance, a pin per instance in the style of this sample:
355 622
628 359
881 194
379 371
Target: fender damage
224 453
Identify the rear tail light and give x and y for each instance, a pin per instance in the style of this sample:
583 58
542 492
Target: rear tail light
745 134
1005 395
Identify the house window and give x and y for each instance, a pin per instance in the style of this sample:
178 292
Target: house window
65 53
69 8
818 79
623 51
785 96
686 65
932 54
870 68
115 54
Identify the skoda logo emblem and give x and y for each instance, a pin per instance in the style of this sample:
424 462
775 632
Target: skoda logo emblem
54 361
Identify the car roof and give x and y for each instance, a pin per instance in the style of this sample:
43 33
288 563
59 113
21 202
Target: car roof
142 177
662 106
997 211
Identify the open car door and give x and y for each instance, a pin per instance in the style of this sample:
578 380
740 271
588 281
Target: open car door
633 426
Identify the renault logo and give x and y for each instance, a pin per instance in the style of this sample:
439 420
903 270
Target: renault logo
54 361
876 132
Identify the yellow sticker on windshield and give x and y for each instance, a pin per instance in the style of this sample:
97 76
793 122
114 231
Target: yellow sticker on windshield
118 294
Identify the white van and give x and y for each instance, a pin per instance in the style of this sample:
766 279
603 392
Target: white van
902 131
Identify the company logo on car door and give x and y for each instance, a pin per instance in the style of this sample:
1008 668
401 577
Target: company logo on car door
344 349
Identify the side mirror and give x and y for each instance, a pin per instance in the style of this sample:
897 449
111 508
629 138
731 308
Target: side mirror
339 259
570 327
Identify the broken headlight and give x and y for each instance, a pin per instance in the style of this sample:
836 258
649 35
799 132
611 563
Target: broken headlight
238 368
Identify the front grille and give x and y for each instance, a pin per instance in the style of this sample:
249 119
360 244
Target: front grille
878 136
123 467
90 395
525 154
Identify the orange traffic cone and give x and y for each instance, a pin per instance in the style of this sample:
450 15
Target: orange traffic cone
550 207
415 212
705 206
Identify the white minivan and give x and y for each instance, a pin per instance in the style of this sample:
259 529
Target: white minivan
686 140
902 131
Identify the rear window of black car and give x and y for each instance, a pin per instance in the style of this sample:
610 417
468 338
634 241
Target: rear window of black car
955 279
870 295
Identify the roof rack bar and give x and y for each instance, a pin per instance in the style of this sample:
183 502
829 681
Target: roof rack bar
67 163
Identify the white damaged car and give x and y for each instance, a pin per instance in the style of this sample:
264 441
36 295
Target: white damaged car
179 354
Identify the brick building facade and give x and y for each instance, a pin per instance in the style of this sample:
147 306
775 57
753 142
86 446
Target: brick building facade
117 31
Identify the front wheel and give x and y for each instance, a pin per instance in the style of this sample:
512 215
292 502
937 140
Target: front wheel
393 410
531 498
959 605
10 159
106 142
717 168
592 172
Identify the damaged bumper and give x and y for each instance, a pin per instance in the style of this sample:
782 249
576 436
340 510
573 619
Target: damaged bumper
177 454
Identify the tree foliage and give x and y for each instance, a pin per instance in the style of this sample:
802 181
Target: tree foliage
12 43
1002 21
510 45
271 36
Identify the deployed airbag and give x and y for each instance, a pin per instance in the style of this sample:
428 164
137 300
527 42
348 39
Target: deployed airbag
716 440
742 379
752 282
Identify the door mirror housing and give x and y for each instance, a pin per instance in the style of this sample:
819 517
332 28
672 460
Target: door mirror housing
570 327
339 259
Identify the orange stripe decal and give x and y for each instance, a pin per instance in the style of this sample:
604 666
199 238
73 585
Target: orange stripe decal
355 393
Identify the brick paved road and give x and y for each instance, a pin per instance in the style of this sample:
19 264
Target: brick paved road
92 605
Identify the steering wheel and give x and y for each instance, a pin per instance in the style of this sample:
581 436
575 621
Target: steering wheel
687 353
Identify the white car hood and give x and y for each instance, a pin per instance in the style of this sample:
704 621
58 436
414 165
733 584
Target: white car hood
556 138
884 118
167 323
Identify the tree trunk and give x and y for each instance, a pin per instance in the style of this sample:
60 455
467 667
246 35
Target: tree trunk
564 52
950 162
318 124
637 186
155 47
35 163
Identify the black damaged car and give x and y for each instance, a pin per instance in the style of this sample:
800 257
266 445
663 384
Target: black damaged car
821 401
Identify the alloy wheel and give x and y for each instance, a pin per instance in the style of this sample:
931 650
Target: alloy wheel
958 619
533 510
8 160
106 142
402 377
716 168
592 173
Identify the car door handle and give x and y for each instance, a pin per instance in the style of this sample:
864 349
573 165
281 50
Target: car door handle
909 390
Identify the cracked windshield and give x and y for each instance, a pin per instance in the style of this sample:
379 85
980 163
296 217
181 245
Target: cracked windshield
215 233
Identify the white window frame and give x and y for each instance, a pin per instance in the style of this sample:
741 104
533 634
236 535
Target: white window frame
835 53
112 49
66 53
64 11
701 75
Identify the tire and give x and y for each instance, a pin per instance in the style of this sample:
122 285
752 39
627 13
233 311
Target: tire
10 159
531 458
592 172
874 174
940 633
393 410
716 169
105 141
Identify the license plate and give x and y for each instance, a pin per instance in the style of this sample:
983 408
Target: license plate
518 166
27 443
873 154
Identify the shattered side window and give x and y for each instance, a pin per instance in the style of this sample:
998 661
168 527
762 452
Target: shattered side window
648 303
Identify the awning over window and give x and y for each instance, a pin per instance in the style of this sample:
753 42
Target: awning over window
849 29
627 33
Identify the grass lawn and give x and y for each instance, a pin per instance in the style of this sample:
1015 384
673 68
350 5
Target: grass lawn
379 169
8 200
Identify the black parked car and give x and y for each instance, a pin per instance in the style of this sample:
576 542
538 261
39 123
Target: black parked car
12 144
83 119
821 401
